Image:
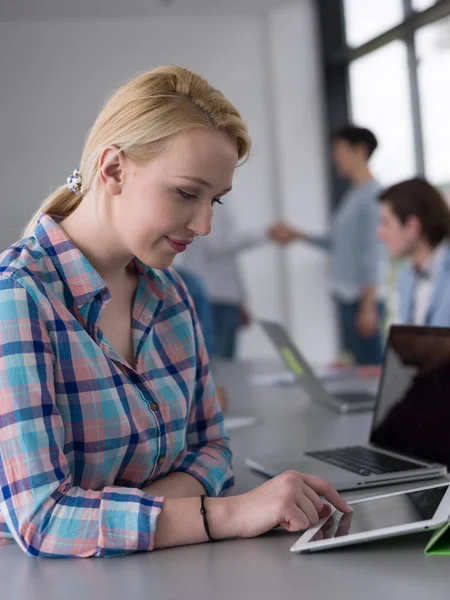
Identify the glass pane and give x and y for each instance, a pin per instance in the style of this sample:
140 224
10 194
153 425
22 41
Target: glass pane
380 100
365 19
422 4
433 51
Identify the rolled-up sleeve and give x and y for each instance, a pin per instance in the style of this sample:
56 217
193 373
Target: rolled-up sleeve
208 456
323 242
45 513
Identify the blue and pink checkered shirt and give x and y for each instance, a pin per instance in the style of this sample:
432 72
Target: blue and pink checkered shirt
81 431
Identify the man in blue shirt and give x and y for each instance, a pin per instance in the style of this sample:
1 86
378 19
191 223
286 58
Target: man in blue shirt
415 224
356 257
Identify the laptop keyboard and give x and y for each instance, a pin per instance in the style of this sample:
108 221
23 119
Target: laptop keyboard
363 461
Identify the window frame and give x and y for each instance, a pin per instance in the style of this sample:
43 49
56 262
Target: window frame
337 56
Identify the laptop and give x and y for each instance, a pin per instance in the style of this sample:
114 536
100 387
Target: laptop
344 401
409 438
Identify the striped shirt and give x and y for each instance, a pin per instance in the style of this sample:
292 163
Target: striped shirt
81 431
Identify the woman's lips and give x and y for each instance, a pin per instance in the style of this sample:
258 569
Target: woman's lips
178 245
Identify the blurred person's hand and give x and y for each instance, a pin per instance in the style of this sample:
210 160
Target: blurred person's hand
222 398
284 234
341 364
245 318
367 321
369 371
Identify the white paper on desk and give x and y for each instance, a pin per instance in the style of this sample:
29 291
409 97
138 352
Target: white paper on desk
331 373
273 379
285 378
232 423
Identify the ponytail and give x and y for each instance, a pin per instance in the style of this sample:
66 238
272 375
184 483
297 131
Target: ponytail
61 203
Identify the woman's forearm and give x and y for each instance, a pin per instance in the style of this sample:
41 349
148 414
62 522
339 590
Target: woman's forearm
175 485
181 523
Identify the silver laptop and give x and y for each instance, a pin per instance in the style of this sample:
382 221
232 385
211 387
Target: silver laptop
410 437
344 401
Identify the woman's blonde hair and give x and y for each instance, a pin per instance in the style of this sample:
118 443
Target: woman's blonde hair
140 116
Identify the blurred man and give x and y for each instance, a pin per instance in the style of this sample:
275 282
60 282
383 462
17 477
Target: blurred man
214 259
415 224
356 256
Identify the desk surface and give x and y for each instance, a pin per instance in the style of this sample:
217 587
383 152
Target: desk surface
261 568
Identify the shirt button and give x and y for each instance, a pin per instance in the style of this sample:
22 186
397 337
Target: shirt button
154 406
161 459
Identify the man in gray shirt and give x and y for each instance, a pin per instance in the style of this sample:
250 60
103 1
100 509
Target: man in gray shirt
356 256
214 260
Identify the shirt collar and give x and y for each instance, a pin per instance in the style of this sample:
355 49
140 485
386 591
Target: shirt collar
83 281
433 264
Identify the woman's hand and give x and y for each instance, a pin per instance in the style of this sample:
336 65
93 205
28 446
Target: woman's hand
292 500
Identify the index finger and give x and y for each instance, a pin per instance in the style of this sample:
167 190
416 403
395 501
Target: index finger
325 489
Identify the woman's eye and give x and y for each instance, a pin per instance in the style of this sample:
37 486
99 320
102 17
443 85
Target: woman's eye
185 195
217 201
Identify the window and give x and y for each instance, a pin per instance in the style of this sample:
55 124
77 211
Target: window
380 100
399 83
365 19
433 52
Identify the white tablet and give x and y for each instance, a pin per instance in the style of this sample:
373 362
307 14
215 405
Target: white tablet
378 517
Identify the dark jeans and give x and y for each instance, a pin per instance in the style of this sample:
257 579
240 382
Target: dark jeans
227 318
365 351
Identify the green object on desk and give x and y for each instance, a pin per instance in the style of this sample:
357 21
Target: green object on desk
292 361
439 544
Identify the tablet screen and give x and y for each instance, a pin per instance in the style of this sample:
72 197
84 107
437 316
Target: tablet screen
380 513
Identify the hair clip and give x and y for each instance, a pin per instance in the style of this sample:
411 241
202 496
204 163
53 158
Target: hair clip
74 182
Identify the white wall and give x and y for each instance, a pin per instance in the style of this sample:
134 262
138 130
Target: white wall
299 154
302 155
55 75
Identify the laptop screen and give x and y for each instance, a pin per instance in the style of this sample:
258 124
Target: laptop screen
413 409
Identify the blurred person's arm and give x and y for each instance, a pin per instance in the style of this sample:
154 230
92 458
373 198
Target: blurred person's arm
319 241
283 233
367 317
226 240
232 242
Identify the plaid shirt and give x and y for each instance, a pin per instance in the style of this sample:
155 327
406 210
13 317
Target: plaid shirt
80 430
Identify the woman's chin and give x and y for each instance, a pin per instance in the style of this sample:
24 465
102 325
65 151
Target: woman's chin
155 261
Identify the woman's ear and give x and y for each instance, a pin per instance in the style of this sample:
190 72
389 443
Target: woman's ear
110 170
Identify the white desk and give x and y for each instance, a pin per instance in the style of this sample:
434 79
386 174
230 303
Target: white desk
261 568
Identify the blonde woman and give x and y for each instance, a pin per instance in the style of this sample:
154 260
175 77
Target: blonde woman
111 437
